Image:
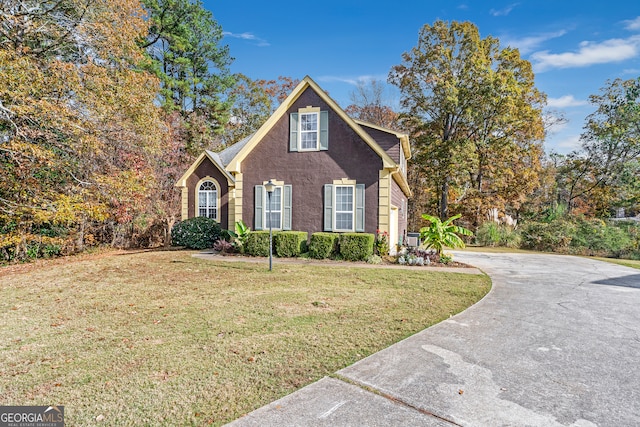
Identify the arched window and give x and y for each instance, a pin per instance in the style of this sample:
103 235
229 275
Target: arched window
208 200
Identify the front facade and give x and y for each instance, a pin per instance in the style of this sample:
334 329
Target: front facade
332 173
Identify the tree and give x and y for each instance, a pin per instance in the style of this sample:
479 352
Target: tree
440 234
475 118
603 174
254 101
184 43
77 120
369 105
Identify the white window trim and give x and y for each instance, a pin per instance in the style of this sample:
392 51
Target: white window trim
309 111
265 213
217 199
335 208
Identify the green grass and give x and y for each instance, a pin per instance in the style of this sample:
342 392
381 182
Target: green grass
626 262
501 250
162 338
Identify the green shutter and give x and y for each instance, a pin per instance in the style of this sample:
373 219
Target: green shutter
324 130
258 208
293 132
359 207
286 214
328 207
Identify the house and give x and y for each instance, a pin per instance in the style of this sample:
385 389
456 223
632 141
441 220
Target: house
332 173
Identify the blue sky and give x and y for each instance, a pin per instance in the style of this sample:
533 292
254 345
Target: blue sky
574 46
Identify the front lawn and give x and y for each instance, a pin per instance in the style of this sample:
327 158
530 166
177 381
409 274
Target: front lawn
164 338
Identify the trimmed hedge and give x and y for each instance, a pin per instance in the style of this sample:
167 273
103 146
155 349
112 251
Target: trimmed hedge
323 245
356 246
290 243
257 243
196 233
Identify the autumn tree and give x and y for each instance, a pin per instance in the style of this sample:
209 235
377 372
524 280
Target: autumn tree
604 173
253 103
77 122
369 104
475 118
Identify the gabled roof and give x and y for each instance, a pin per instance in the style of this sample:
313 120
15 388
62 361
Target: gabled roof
215 159
234 165
403 137
230 152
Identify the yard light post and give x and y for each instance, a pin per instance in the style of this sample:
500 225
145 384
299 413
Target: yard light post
270 186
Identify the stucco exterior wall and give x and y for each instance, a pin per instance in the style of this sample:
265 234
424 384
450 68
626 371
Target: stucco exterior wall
208 169
387 141
348 157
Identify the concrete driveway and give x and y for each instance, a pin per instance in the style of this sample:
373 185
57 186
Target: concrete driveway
555 343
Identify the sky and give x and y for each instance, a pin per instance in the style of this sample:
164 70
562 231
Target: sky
575 47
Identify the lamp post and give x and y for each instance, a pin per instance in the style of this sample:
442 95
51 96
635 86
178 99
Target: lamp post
270 186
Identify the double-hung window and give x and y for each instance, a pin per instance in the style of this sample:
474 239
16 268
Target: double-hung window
308 131
208 200
274 211
343 208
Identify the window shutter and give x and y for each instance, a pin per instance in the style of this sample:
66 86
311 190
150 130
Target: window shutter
286 214
328 207
324 130
359 207
259 208
293 132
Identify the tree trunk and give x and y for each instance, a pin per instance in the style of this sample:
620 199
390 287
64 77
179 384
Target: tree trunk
444 199
169 222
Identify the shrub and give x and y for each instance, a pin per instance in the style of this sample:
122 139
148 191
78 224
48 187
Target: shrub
323 245
356 246
374 259
439 234
493 234
196 233
223 246
595 237
239 236
257 243
554 236
290 243
428 255
446 258
381 243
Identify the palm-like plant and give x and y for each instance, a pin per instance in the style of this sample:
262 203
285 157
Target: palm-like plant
440 234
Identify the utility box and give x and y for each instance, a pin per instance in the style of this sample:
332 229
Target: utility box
413 240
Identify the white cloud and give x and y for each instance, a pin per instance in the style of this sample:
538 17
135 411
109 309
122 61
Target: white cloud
569 143
632 24
589 53
528 44
565 101
247 36
563 145
505 11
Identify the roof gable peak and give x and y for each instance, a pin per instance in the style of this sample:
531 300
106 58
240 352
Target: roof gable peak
234 164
